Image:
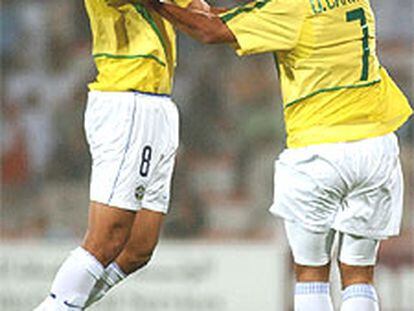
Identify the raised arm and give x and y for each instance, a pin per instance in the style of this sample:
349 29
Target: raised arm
198 20
204 6
203 25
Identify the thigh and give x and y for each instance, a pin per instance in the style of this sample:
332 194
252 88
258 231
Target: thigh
156 158
110 124
357 251
133 148
307 189
357 257
312 249
373 207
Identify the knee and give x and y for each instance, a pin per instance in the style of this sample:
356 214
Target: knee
135 261
107 244
351 275
135 257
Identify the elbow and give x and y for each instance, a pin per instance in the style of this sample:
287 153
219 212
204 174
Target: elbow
214 31
209 37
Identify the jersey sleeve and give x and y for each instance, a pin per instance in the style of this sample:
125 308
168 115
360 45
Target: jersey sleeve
265 25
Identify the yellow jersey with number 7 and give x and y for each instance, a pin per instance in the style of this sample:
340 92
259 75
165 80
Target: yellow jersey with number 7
334 88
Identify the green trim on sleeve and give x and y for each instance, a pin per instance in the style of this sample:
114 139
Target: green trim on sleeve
243 9
116 56
332 89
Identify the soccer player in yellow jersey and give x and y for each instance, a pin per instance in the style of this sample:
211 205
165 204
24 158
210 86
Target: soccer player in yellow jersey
340 173
132 129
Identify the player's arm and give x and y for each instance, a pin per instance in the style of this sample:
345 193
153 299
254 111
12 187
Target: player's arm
202 25
259 26
203 6
195 17
200 5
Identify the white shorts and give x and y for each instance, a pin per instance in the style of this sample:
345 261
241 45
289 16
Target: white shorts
133 139
354 187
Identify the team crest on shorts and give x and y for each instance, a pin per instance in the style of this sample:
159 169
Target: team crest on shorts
139 192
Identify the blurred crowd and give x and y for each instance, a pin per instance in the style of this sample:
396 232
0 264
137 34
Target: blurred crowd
232 126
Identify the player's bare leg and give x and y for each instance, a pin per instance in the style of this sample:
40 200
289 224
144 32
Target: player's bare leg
107 234
108 231
142 242
312 288
351 275
358 290
312 274
357 274
135 255
312 256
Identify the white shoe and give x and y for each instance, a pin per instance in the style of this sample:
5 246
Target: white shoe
52 304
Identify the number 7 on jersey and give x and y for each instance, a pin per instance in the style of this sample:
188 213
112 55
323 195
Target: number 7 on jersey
355 15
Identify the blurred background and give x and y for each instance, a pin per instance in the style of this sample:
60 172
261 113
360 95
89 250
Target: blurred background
232 131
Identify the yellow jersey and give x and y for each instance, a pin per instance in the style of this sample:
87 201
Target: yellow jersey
334 88
134 49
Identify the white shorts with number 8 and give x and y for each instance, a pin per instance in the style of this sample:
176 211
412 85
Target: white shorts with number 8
133 139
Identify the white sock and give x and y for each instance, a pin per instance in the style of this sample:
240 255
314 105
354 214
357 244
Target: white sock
73 282
111 276
361 297
313 296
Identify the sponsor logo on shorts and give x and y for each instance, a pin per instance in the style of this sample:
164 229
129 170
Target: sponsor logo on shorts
139 192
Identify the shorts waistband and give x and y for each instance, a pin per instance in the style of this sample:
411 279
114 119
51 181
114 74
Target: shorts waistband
151 94
129 95
385 143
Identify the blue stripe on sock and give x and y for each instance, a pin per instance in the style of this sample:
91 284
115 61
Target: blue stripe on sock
311 288
360 291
